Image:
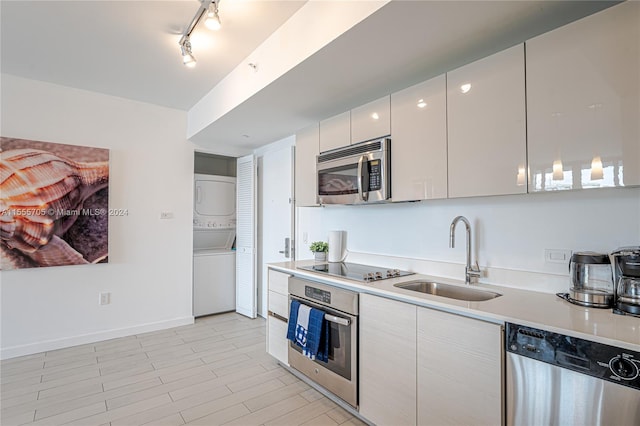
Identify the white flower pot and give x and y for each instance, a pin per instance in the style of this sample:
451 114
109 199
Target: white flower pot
321 256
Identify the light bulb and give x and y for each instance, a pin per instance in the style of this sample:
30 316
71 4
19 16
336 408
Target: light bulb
189 60
213 23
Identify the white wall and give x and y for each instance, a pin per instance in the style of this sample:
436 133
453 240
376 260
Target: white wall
150 260
509 232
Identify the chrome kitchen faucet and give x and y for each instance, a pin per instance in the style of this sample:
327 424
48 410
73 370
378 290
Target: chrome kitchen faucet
471 273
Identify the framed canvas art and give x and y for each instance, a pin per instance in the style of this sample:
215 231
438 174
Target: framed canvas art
54 204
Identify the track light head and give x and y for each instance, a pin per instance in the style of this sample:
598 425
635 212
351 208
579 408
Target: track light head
213 19
187 56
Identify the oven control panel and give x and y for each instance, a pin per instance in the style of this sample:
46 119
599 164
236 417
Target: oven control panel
317 294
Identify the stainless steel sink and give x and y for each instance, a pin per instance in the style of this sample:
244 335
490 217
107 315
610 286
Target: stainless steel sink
450 291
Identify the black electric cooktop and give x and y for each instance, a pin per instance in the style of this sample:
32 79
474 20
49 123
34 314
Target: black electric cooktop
355 271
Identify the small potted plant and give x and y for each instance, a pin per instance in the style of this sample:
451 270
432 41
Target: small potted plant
319 249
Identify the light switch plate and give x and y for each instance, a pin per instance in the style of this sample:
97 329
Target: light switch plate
104 298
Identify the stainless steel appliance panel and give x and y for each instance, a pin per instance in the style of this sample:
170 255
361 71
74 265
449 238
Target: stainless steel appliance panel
356 174
542 394
556 379
340 374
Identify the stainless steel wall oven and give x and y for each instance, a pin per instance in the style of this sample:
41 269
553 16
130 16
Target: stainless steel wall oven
340 374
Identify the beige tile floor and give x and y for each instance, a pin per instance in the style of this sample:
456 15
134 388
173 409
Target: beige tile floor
211 373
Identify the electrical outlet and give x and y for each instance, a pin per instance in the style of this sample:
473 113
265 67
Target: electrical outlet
166 215
104 298
557 256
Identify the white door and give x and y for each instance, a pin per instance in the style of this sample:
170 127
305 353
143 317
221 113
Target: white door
246 289
276 213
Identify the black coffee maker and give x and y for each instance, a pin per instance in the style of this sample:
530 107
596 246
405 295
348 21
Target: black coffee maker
627 280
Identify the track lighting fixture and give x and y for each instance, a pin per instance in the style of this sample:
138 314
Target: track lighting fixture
208 8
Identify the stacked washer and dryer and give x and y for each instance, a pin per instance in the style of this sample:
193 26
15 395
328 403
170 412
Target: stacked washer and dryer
214 233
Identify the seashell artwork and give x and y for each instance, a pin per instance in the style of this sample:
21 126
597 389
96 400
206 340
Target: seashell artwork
54 204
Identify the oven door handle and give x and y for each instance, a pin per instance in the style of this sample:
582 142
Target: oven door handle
342 321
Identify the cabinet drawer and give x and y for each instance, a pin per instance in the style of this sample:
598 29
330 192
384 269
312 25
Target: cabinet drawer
277 343
279 282
279 304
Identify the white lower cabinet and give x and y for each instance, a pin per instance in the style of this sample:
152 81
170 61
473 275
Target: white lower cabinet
277 343
460 370
278 303
387 361
420 366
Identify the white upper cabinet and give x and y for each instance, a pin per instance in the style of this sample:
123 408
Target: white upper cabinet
583 102
335 132
307 148
419 141
371 120
486 126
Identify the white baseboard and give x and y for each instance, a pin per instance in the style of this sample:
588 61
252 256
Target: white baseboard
65 342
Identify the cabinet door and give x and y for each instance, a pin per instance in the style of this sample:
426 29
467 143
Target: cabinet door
419 141
335 132
387 355
307 149
583 102
277 344
486 125
460 367
371 120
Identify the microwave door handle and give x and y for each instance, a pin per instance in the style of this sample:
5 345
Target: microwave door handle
363 177
360 177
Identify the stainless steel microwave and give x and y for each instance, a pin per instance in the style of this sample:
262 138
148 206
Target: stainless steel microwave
355 174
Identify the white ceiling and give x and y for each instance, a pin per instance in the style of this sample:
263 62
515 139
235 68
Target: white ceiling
130 49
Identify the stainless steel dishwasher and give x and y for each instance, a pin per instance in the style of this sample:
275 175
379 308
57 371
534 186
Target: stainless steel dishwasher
553 379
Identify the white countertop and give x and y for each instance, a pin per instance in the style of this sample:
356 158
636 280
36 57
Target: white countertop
529 308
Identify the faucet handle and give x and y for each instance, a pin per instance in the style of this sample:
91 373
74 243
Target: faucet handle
475 272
